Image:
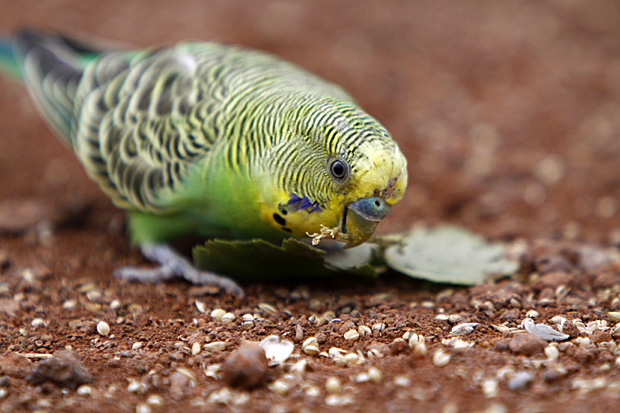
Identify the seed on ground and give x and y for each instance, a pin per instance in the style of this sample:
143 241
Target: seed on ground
374 375
215 346
352 335
217 314
103 328
196 348
441 358
228 317
364 331
279 387
332 385
84 390
137 345
201 306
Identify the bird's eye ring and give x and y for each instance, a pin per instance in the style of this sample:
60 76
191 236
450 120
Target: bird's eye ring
339 169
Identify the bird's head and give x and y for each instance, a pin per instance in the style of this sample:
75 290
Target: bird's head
336 172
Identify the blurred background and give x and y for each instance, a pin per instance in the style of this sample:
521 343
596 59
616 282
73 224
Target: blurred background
508 111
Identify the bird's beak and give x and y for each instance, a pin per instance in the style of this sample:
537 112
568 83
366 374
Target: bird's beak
361 218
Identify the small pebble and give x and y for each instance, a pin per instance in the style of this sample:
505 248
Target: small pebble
526 343
103 328
64 368
246 367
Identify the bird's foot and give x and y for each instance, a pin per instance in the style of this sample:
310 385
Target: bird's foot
173 265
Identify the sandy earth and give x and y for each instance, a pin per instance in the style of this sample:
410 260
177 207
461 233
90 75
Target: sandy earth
509 114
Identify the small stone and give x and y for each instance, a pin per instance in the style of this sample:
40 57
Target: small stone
526 343
246 367
179 385
64 368
553 280
398 346
103 328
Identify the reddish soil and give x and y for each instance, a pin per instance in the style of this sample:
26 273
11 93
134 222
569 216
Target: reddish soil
509 113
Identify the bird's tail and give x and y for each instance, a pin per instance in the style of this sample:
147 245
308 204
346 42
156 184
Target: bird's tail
8 61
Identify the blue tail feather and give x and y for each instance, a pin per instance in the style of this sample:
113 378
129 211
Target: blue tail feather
8 60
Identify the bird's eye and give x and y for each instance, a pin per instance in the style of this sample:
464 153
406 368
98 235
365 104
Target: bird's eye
339 169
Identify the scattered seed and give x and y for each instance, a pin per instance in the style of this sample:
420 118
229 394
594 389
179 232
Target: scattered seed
558 319
552 352
217 314
143 408
378 327
351 335
228 317
415 339
332 385
364 331
103 328
215 346
268 308
201 306
402 381
84 390
115 305
3 392
155 400
38 322
442 317
69 304
454 318
196 348
614 316
462 329
353 359
312 391
374 375
279 387
490 387
310 346
276 349
137 345
441 358
501 328
532 314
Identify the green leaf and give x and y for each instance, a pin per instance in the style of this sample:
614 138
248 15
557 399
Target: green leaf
448 254
261 260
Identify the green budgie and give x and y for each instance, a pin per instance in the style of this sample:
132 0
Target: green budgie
212 140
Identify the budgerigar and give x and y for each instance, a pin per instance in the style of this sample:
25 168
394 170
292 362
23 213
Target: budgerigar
213 140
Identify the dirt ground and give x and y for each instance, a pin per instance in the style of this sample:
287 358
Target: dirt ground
509 114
